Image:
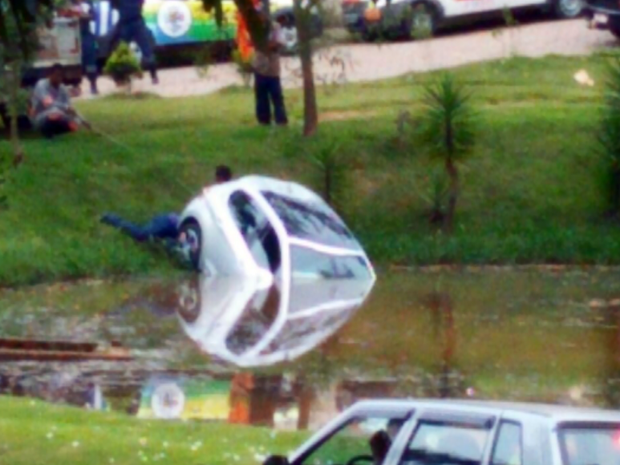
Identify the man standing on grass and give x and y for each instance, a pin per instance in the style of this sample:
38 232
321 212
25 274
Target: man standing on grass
51 111
267 70
132 28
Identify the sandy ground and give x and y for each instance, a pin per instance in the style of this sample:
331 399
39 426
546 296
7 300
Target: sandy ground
368 62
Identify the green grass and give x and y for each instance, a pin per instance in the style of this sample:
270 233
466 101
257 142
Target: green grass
33 431
529 195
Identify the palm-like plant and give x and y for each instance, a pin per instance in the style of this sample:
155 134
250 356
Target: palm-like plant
447 132
609 138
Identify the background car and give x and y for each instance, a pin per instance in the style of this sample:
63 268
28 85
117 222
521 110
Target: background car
604 14
411 18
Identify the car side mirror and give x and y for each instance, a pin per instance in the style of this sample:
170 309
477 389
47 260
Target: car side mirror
276 460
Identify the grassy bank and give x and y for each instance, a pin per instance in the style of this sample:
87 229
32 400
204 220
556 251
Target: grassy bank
530 192
36 432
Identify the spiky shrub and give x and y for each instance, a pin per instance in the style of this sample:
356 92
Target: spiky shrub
446 131
609 139
123 66
331 173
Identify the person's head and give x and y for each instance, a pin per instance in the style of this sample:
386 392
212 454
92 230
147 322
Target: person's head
223 174
393 427
380 444
57 75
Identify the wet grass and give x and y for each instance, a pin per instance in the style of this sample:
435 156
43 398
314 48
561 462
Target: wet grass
530 192
33 431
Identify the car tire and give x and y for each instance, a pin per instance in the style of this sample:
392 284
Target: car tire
423 21
193 234
568 9
614 27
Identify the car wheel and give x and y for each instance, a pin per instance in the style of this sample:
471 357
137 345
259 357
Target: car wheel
566 9
423 21
193 237
614 27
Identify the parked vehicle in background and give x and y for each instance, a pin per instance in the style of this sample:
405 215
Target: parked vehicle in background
185 23
604 14
59 44
406 18
451 432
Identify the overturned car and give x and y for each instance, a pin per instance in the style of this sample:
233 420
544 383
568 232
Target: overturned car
260 226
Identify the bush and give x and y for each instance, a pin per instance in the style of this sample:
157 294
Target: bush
122 65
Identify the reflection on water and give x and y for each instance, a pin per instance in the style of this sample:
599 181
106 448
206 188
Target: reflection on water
292 357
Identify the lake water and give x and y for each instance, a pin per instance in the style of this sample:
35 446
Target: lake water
187 348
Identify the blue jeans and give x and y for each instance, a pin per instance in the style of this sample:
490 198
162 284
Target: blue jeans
164 226
268 91
136 31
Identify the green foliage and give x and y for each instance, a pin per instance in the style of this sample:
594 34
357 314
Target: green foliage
609 138
446 127
122 65
244 68
421 22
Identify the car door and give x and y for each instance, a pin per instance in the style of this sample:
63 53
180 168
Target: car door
364 438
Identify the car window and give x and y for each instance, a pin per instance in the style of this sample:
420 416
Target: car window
507 449
301 331
257 318
257 231
445 443
586 446
311 263
314 221
364 440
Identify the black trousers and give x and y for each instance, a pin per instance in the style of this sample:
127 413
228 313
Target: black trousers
268 91
52 128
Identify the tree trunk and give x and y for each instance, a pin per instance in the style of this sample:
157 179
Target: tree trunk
13 107
453 195
304 34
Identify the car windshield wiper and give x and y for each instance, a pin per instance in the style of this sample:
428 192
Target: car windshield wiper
426 456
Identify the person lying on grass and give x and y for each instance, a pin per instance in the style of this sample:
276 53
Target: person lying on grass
51 111
164 226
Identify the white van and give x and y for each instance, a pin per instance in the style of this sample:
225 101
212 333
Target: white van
405 18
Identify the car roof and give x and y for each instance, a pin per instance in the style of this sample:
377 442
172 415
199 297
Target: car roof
555 413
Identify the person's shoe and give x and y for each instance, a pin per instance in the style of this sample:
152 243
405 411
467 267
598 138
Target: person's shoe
94 90
109 218
155 80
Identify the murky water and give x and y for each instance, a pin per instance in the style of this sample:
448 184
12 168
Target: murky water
192 348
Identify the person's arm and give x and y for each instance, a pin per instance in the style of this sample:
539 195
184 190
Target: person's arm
63 101
41 96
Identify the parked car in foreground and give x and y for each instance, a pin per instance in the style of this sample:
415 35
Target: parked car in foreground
604 14
452 432
407 18
263 226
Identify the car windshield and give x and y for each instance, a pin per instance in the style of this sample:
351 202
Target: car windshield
310 263
312 221
588 446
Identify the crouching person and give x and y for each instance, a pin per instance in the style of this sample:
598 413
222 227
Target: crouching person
51 110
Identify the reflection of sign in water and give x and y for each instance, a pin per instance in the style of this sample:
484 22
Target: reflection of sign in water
174 18
168 401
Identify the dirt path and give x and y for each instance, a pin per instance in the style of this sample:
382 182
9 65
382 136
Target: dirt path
368 62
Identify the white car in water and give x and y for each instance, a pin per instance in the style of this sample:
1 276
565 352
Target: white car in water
250 323
259 226
454 432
